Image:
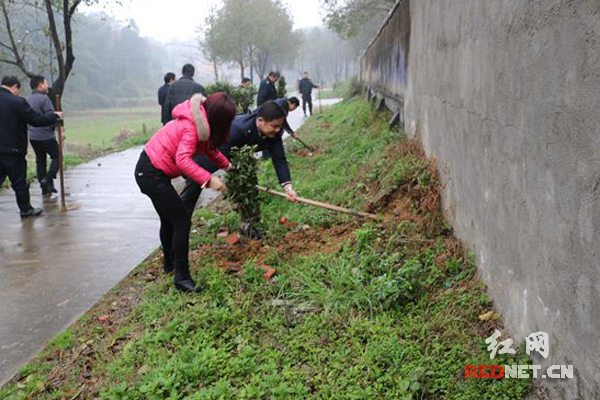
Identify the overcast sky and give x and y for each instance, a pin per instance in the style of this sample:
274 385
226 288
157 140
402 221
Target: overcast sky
166 20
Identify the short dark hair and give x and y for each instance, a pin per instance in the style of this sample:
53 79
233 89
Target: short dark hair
294 100
188 70
169 76
270 111
244 80
11 81
305 73
274 74
35 81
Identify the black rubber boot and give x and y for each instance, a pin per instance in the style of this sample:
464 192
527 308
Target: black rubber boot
183 280
46 191
168 264
25 206
50 185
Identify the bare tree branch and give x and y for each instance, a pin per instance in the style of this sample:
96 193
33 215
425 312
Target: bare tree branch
18 60
73 8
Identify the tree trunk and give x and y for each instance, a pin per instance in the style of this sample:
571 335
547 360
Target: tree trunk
216 69
242 69
251 64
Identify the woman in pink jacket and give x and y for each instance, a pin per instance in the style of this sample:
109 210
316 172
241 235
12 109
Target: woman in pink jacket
199 126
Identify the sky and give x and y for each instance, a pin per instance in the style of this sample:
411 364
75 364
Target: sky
168 20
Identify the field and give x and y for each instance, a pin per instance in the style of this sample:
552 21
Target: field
98 128
383 309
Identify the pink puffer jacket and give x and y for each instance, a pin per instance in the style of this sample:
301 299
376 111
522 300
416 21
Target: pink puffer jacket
171 148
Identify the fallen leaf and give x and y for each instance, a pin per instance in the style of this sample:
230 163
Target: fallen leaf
232 239
270 271
489 316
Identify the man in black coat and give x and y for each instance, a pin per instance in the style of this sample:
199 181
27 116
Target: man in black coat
15 115
267 90
183 89
288 105
261 128
305 87
162 96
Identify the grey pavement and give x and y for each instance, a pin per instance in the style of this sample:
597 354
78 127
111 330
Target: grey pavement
55 267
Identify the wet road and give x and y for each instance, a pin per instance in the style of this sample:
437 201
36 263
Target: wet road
55 267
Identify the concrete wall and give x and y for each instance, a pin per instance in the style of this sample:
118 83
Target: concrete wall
506 96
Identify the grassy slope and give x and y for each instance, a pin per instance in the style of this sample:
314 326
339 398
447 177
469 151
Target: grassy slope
356 310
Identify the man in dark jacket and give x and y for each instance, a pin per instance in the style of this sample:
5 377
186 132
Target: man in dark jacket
162 96
183 89
261 128
43 138
15 114
288 106
267 90
305 87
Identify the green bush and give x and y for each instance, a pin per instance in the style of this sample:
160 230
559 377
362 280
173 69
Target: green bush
239 95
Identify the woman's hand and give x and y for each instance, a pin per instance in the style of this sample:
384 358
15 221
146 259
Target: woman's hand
216 184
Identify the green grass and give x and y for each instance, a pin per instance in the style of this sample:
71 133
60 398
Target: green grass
98 128
337 92
376 318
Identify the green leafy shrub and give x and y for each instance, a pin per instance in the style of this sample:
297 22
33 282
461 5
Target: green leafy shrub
241 183
281 90
239 95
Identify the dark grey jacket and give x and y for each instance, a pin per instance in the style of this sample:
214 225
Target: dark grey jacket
266 91
305 87
15 114
183 89
42 104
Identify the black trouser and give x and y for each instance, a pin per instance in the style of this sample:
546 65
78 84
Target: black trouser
192 190
174 220
14 167
307 99
41 149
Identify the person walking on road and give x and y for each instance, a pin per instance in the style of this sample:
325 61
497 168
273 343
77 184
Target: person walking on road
261 128
162 96
305 87
199 127
181 90
15 115
43 138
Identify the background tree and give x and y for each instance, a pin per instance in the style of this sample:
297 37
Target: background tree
14 49
255 34
208 40
349 17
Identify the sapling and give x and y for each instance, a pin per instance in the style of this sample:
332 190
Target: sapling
241 181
